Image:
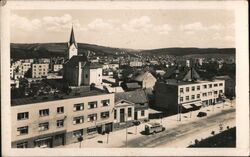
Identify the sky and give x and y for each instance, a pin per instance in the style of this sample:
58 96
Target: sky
136 29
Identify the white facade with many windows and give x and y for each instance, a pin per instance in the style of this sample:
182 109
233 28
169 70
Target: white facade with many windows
40 70
37 121
169 95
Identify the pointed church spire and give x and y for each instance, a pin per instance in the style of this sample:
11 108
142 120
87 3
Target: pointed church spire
72 37
72 45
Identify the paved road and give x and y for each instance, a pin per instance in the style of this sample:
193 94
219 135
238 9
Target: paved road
184 131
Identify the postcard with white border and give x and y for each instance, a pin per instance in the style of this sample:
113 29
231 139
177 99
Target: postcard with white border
124 78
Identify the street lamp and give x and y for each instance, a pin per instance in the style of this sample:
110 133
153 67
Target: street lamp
231 99
126 130
80 139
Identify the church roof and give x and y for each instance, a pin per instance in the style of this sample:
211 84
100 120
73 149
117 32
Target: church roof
72 38
74 60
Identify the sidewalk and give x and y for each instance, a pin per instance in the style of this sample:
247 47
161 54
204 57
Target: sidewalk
118 138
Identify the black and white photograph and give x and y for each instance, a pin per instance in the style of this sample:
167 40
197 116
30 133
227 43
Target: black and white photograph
124 77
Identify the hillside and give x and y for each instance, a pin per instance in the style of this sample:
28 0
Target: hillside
46 50
190 51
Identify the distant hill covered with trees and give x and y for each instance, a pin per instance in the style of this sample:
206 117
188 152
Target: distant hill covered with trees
46 50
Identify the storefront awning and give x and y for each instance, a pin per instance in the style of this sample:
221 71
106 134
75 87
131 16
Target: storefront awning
42 139
198 104
187 106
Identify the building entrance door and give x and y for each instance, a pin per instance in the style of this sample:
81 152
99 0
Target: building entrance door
59 140
122 115
136 115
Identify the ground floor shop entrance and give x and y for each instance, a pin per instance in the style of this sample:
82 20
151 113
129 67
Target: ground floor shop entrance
45 142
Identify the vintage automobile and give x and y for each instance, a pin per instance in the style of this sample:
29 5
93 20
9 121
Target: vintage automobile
152 128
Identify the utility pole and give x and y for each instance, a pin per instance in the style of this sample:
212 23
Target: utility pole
107 137
126 130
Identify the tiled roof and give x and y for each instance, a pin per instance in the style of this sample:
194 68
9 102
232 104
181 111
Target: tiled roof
133 85
142 76
181 74
51 97
137 96
95 65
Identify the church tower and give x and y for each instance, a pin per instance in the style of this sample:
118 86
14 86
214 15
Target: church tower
72 45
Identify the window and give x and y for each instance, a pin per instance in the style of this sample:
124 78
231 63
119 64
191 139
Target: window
142 113
78 107
91 130
60 123
43 126
181 90
115 112
209 93
105 114
22 145
129 112
78 133
198 96
44 112
23 115
215 92
193 97
198 87
204 86
187 89
92 117
216 85
92 105
181 99
60 110
187 98
204 94
105 102
220 91
23 130
210 86
221 84
78 120
86 76
193 88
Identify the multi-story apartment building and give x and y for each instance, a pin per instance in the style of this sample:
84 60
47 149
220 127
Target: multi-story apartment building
11 72
57 67
171 94
24 67
39 70
52 121
135 63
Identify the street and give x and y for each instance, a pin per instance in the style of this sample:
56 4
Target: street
177 134
185 131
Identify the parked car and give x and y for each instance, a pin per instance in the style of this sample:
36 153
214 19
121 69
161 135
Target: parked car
137 122
152 128
201 114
